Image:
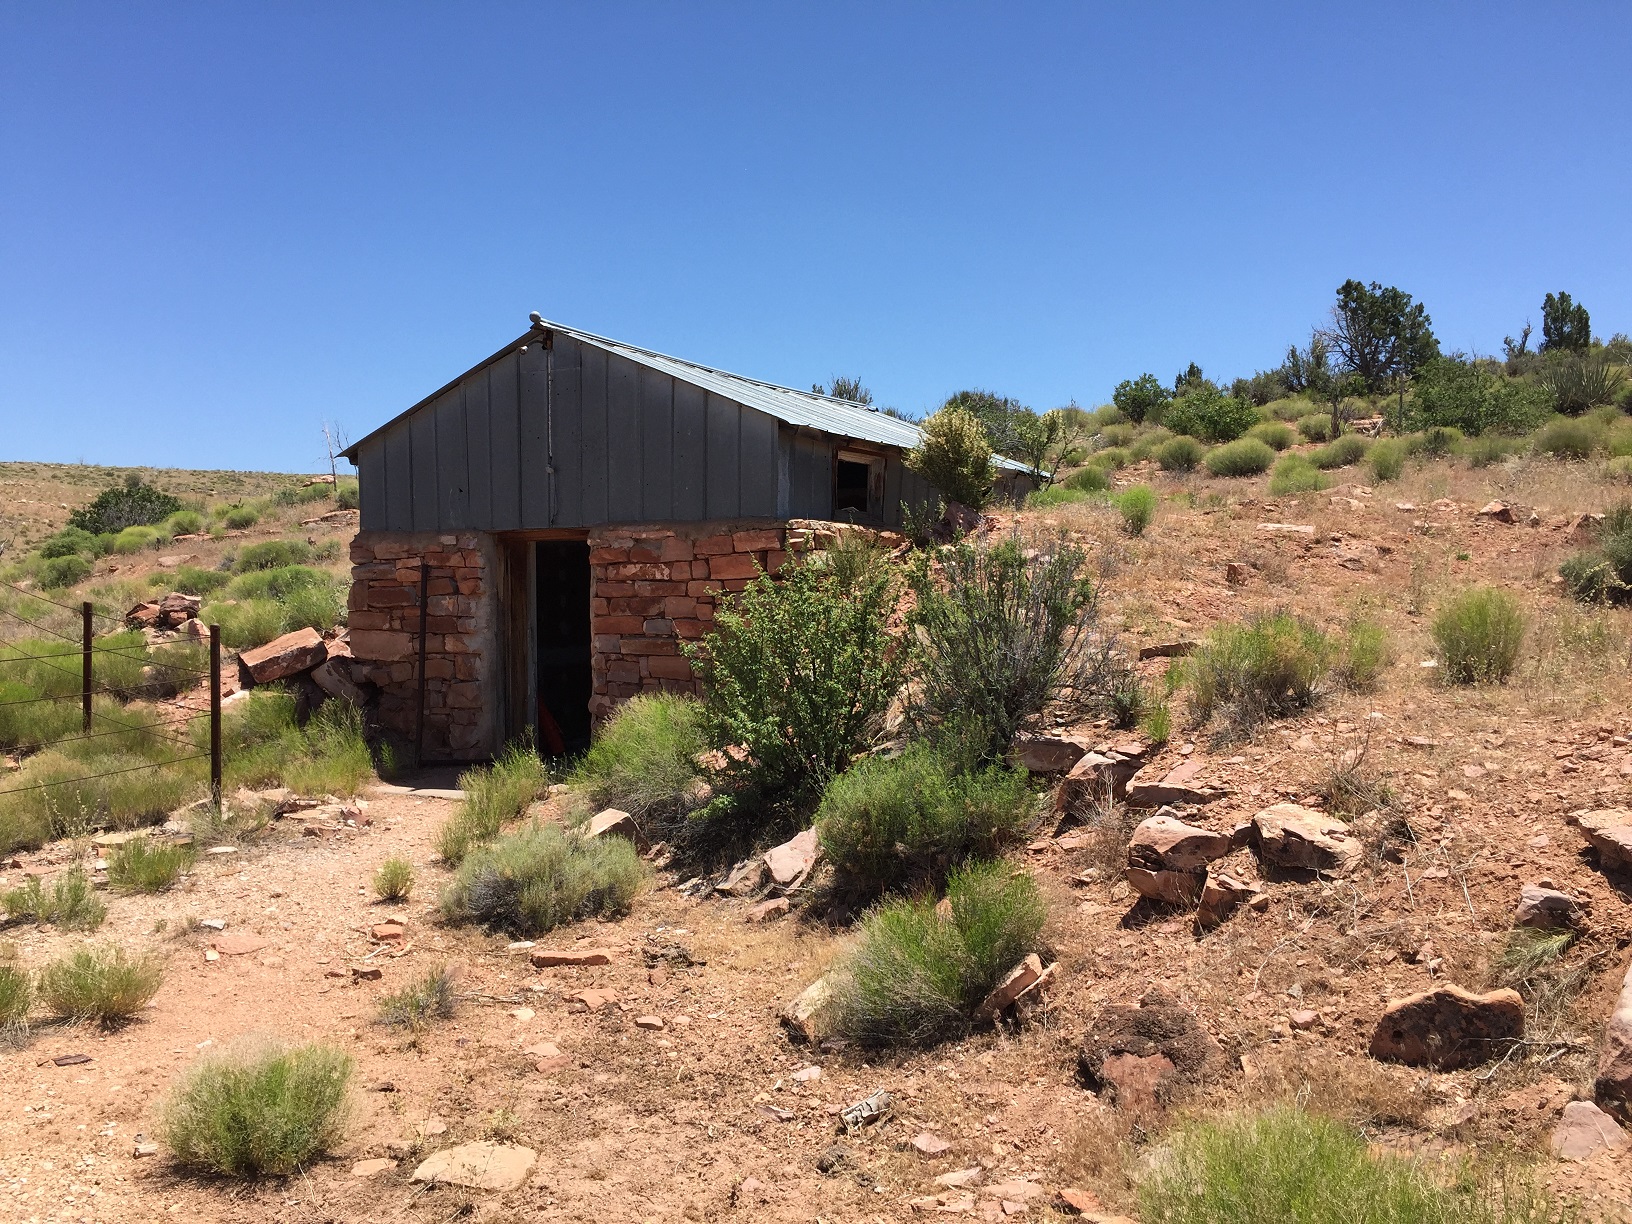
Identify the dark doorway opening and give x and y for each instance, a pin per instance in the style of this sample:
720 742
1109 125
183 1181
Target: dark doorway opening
850 486
563 648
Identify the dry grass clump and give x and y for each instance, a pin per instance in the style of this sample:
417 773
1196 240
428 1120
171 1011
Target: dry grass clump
71 903
538 877
102 984
493 797
644 759
1479 633
394 880
146 866
422 1001
267 1109
1262 669
16 998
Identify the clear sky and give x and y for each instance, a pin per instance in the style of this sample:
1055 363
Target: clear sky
222 223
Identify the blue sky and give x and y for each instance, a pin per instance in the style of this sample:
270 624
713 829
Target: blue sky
221 224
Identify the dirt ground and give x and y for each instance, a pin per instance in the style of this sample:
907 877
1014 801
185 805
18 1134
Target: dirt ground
709 1117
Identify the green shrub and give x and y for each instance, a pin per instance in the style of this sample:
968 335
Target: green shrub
28 723
190 580
1363 655
1088 480
1316 427
1340 452
537 878
915 976
184 522
315 607
133 540
1245 457
1295 474
143 865
1471 398
1435 441
394 881
16 998
644 758
239 518
1287 1166
494 796
1149 442
263 746
68 541
1277 435
101 984
999 631
1138 508
1578 381
1156 721
275 583
1479 633
1386 459
273 554
247 623
1488 449
916 816
1210 415
954 454
799 672
428 998
82 785
1140 398
1054 495
1119 435
1619 469
1111 459
347 495
1603 574
1269 666
1180 454
259 1109
1567 438
132 504
59 573
72 903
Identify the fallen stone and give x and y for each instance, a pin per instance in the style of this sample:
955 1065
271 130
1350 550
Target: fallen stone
143 616
1219 896
1157 1028
1167 887
1169 650
1165 794
549 958
1614 1082
592 1000
336 682
1100 777
387 932
1544 908
805 1016
611 821
1018 981
651 1024
1164 843
927 1144
145 1149
1047 754
238 945
1583 529
1286 529
1584 1131
1304 839
176 608
768 911
366 973
1609 830
106 841
284 656
370 1168
1303 1019
1016 1191
746 880
792 861
961 1177
1496 511
1448 1028
478 1166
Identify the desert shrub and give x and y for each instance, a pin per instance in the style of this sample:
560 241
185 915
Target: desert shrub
1111 459
59 573
1567 438
1149 442
799 672
184 522
247 623
71 903
1478 634
100 983
1603 574
238 518
1435 441
1473 399
259 1109
954 454
273 554
429 997
28 723
69 789
276 583
1138 508
1316 427
264 746
1579 381
1277 435
494 796
1245 457
1180 454
394 881
1210 415
191 580
144 865
1088 480
133 540
1054 495
1120 435
1156 721
16 998
132 504
539 877
1340 452
916 976
336 759
1386 459
68 541
644 758
1271 665
1287 1166
347 495
1140 398
1619 469
1363 655
999 631
319 607
1295 474
917 815
1488 449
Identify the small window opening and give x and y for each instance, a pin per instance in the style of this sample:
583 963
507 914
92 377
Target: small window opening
851 485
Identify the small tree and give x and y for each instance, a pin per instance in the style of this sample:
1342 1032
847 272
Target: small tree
1379 334
840 387
1304 367
1564 324
955 455
132 504
1140 398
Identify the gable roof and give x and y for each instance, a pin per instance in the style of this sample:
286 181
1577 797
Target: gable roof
807 409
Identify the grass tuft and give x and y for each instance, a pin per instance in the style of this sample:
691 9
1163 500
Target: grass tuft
16 998
394 880
539 877
1265 668
494 796
71 904
1478 634
1138 507
417 1004
644 759
1243 457
1180 454
100 983
147 866
1340 452
1295 474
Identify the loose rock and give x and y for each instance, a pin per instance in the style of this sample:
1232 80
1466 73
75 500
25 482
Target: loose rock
1047 754
1544 908
1584 1131
1304 839
1143 1055
1609 830
1448 1028
611 821
790 862
1163 843
804 1017
548 958
284 656
479 1166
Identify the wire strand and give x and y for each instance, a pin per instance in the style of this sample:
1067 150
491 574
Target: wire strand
56 603
17 790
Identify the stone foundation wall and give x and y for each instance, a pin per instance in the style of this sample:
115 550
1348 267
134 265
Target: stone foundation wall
463 721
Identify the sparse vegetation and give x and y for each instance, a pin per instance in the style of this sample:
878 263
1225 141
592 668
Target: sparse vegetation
1386 459
1295 474
538 878
427 998
1267 667
1277 435
1245 457
145 865
1138 507
394 880
104 984
1478 634
1180 454
16 998
1603 573
71 903
494 796
644 758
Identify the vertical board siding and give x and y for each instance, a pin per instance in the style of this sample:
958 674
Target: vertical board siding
625 450
758 463
655 393
504 423
595 460
690 462
724 480
399 478
375 514
567 413
532 369
452 463
422 463
478 453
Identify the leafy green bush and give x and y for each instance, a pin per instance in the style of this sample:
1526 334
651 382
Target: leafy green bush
347 495
273 554
1267 667
428 998
1245 457
538 877
239 518
915 977
132 504
1054 495
1119 436
1295 474
184 522
72 903
1111 459
1316 427
394 881
1287 1166
16 998
1090 479
1140 398
954 454
247 623
133 540
1479 633
644 758
1567 438
277 582
1277 435
494 796
1386 459
259 1109
1210 415
1473 399
916 816
1603 573
1138 508
101 984
1363 655
1148 442
999 631
1488 449
1435 441
1180 454
143 865
799 672
68 541
191 580
1340 452
60 573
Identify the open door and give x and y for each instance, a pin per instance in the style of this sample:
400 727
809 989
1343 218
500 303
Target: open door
562 650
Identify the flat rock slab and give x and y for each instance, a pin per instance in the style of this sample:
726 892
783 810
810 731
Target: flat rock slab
285 656
1163 843
792 860
1544 908
1219 897
1584 1131
478 1166
1301 838
238 945
1163 794
1614 1082
548 958
1609 830
610 820
1166 887
768 911
1448 1028
1047 754
372 1168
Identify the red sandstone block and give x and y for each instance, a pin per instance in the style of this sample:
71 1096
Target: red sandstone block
608 625
732 565
392 596
775 560
699 568
679 606
401 673
754 541
470 586
641 605
700 589
613 590
368 620
669 668
440 586
632 571
376 646
657 626
650 646
710 546
464 696
677 548
439 668
606 643
467 667
599 607
644 552
660 588
624 671
442 624
608 556
689 630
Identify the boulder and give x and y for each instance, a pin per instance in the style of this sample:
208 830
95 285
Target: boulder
1495 511
792 861
1100 777
1143 1055
1544 908
1168 887
1609 831
610 821
1164 843
1219 896
285 656
176 608
1024 979
1047 754
1304 839
1169 650
1448 1028
1614 1083
143 616
805 1016
1584 1131
745 880
333 679
479 1166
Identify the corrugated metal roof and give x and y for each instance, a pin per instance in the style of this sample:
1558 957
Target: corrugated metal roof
843 418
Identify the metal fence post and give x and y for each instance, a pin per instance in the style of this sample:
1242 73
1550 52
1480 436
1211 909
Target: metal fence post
215 715
86 676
